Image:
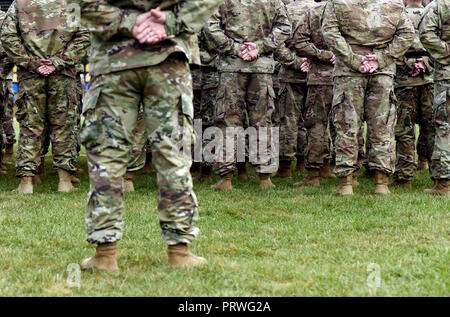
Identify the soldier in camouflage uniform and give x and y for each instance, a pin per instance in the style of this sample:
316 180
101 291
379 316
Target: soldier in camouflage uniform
414 91
8 122
368 38
206 110
291 100
3 95
39 39
435 37
140 55
246 33
309 42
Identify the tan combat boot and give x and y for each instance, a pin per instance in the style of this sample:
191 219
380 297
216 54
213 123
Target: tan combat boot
325 171
65 184
26 185
105 258
265 182
345 186
74 179
355 179
242 171
37 180
401 183
180 256
381 183
423 164
300 166
224 183
148 168
441 187
311 180
9 150
284 171
128 182
205 175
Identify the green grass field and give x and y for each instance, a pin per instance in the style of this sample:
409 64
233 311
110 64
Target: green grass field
281 242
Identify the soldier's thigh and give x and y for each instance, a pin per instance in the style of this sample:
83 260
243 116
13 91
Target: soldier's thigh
230 100
260 99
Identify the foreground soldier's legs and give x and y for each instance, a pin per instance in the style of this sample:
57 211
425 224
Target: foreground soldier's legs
425 143
31 111
111 112
440 162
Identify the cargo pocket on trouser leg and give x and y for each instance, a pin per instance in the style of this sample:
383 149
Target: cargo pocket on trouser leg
90 129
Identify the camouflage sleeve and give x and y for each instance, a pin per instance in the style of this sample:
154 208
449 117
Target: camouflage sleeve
281 31
288 57
12 43
401 42
74 52
215 37
304 45
106 20
429 35
189 17
335 41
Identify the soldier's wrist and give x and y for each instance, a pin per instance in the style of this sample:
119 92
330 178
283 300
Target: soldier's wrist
127 23
173 26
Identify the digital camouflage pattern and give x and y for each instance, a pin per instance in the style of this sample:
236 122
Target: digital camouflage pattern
435 37
111 110
309 42
35 30
3 90
139 146
414 105
290 105
264 22
111 21
246 88
415 97
133 75
352 29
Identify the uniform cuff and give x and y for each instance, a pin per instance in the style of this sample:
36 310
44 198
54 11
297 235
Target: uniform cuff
356 62
172 24
384 60
127 23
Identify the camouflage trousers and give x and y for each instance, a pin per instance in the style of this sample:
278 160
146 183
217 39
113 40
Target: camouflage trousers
205 109
317 111
359 99
111 110
238 95
415 105
290 114
440 160
139 146
8 118
52 101
3 98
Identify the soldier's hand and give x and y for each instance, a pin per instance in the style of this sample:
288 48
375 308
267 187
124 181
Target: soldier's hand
369 64
150 27
47 62
419 67
46 70
249 52
305 65
333 59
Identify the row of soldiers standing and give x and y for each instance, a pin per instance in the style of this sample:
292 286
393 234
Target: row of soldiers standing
321 108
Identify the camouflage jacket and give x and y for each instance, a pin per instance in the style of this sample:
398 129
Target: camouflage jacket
41 29
309 42
403 77
264 22
295 11
354 28
111 22
435 36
